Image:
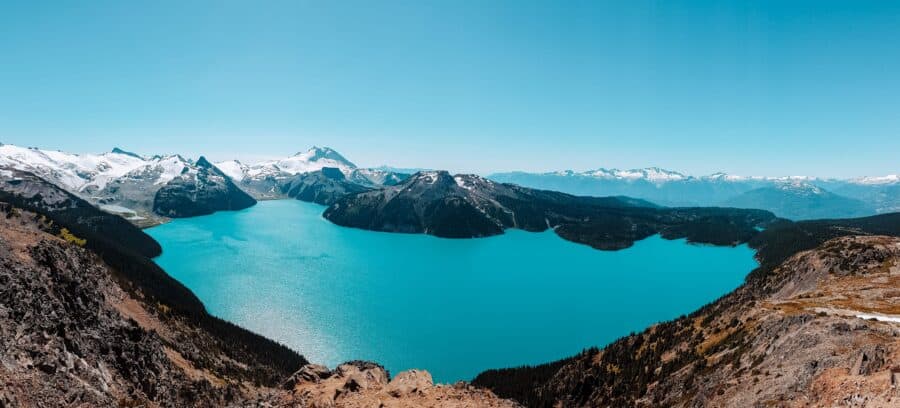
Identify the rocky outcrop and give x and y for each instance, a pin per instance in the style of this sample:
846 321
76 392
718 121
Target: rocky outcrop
199 190
363 385
321 187
819 330
464 206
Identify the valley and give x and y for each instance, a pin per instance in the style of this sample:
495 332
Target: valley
54 213
453 306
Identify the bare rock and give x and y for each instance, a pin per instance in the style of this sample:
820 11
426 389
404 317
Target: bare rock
409 382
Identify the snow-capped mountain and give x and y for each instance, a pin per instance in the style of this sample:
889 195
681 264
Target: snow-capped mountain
131 184
265 179
303 162
651 174
878 180
74 172
128 184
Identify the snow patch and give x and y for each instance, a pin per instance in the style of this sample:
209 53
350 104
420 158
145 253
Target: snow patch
879 317
878 180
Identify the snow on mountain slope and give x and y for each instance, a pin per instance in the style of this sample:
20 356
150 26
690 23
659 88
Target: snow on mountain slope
234 169
265 179
75 172
651 174
799 187
311 160
878 180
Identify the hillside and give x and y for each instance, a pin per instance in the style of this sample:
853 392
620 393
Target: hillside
464 206
323 186
816 326
86 319
800 201
199 190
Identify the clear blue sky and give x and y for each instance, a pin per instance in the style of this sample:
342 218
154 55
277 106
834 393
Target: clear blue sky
750 87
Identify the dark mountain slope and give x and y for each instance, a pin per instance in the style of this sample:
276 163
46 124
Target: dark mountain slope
321 187
465 206
200 190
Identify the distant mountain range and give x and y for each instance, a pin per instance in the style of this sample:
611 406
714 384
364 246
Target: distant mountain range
795 197
144 190
466 206
148 189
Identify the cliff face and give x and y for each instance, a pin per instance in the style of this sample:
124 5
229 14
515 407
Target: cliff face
819 330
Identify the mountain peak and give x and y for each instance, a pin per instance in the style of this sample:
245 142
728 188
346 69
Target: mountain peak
117 150
202 162
317 153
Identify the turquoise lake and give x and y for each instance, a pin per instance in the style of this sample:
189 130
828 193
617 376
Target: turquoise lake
452 306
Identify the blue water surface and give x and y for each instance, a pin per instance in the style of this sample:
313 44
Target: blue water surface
452 306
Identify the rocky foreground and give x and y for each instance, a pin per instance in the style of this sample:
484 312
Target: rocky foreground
71 336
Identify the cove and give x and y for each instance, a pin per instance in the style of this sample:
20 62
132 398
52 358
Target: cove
452 306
